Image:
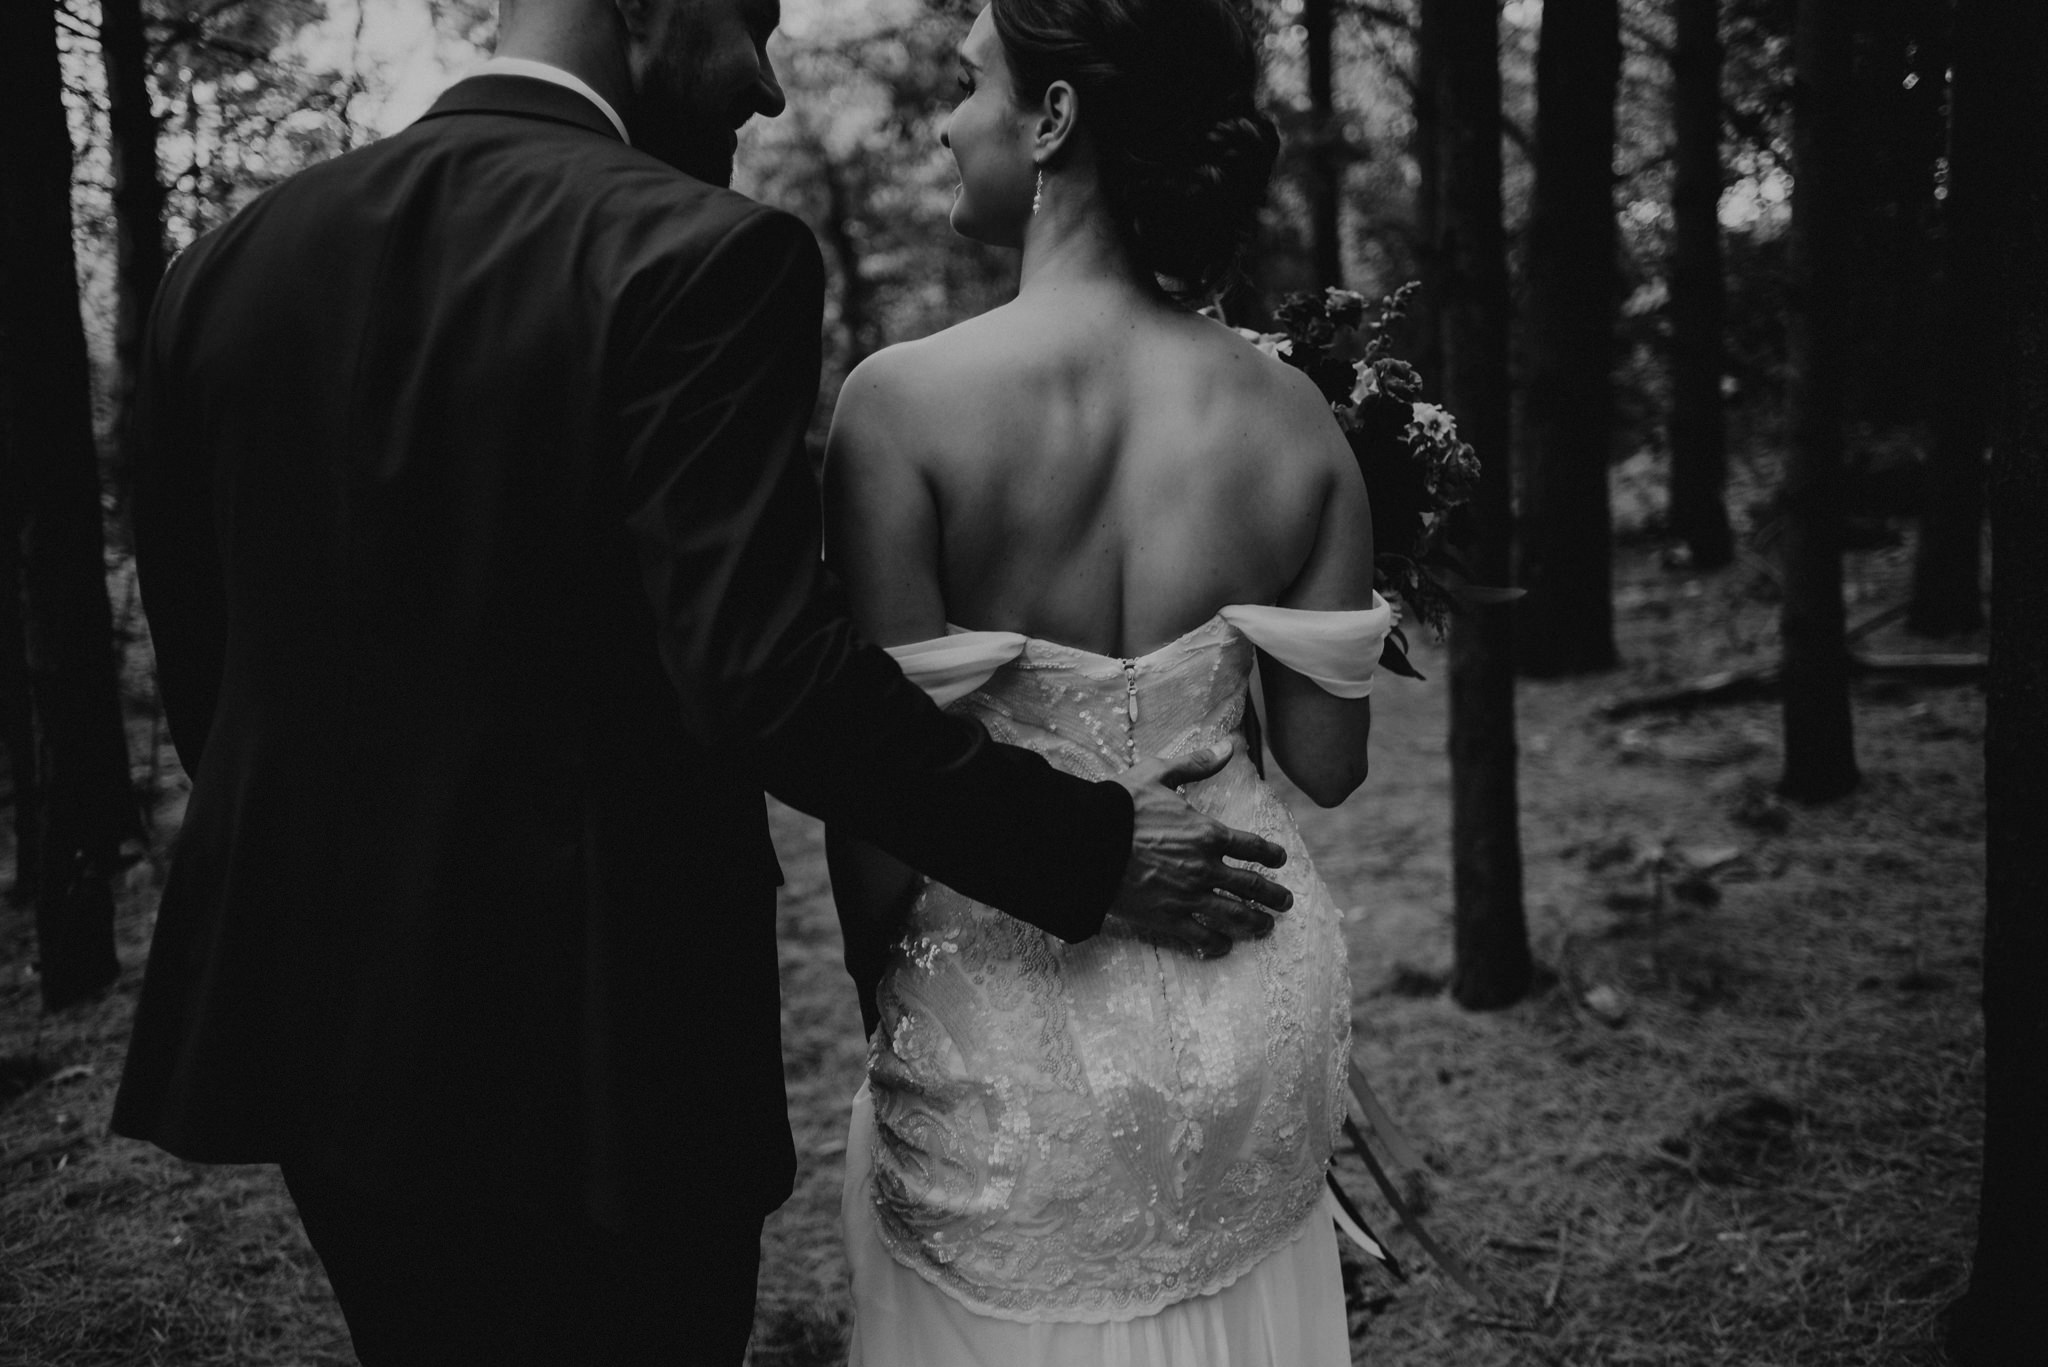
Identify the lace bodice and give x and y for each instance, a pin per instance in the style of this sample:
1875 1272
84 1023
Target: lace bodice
1089 1132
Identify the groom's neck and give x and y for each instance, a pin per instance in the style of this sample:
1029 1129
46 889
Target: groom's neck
582 37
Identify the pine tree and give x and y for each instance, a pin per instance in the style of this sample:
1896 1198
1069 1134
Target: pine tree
1565 534
1492 966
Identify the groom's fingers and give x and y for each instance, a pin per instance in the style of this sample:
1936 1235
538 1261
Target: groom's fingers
1250 887
1244 845
1192 768
1238 920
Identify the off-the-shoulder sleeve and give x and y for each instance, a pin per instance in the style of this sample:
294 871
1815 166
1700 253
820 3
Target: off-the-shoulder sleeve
952 666
1335 650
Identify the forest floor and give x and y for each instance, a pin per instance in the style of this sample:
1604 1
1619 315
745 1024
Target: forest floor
1738 1122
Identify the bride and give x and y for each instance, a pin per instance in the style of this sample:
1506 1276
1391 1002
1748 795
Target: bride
1111 1151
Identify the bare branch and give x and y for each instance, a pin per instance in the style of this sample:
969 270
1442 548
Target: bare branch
213 11
67 20
1522 138
230 47
1653 43
192 27
1382 16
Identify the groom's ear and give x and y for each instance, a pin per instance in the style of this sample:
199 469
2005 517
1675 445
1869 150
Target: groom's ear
1059 115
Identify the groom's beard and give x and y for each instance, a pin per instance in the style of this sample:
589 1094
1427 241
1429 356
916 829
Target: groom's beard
674 128
704 152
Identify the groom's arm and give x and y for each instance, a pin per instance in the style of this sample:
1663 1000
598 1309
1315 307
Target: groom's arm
177 552
717 387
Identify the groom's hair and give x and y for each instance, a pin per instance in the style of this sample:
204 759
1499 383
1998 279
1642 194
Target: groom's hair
1168 94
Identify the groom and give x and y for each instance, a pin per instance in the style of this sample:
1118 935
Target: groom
480 551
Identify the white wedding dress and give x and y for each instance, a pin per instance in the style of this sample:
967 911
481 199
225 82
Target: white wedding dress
1110 1152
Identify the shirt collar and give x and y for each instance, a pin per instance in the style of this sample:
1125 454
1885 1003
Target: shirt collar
554 75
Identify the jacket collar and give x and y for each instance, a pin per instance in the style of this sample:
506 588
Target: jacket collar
522 97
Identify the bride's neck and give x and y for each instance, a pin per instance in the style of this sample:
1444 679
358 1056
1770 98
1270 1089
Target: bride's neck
1071 243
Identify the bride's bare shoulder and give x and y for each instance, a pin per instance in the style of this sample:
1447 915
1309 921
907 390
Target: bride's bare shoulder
1274 407
914 385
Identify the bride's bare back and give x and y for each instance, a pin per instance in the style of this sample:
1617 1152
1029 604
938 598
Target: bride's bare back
1099 467
1093 467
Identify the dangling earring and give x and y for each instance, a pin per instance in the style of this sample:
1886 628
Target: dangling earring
1038 193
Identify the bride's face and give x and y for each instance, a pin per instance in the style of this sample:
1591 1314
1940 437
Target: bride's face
990 138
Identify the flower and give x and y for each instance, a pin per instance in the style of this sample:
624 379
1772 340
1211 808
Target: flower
1428 423
1345 307
1384 378
1272 343
1367 384
1415 467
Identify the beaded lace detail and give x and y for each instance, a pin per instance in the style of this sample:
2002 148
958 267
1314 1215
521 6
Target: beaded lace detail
1091 1132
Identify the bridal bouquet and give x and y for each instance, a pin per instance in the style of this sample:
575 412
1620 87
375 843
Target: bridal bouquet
1416 470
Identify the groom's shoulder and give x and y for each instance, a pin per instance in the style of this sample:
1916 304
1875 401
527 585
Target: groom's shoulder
558 181
660 216
688 210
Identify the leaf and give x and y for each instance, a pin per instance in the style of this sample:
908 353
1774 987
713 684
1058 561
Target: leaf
1485 593
1394 657
1665 1257
1607 1003
1708 858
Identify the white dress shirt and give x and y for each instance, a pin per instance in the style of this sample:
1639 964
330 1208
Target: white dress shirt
554 75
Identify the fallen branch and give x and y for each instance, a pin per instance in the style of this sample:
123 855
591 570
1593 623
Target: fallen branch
1729 685
48 1148
1963 667
1874 621
1755 685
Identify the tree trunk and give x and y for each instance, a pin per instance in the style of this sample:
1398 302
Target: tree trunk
138 197
17 717
1947 595
1492 966
1699 450
2004 1316
81 746
1325 166
1820 753
1566 624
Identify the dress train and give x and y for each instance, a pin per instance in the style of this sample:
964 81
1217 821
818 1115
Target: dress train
1287 1311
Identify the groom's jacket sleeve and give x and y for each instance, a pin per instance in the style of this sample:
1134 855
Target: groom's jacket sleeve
176 536
719 375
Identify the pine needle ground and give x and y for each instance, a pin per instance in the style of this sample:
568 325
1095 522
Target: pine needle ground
1738 1123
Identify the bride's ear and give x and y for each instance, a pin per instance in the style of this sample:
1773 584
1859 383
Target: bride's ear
1059 116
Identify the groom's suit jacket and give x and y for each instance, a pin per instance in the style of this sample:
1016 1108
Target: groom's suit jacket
480 550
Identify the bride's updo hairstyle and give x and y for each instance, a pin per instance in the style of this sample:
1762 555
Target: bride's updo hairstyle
1167 95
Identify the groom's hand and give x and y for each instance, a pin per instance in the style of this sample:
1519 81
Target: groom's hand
1177 885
